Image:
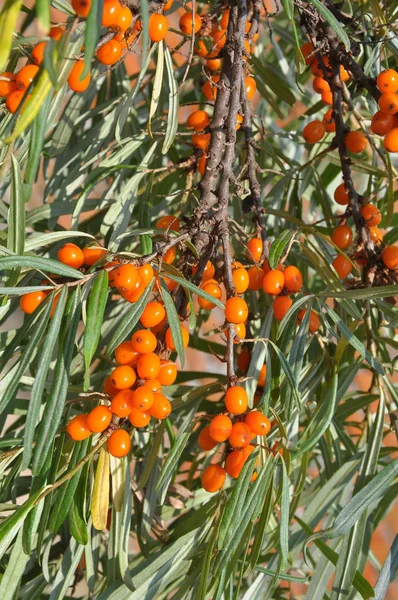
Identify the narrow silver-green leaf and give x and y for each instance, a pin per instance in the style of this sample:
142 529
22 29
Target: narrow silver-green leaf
172 117
95 315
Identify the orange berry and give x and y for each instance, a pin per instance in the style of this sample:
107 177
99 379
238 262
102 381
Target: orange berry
144 341
146 274
125 277
342 266
307 50
29 302
142 398
109 53
186 25
139 418
153 385
168 222
344 75
74 80
81 7
220 428
214 64
256 276
355 141
26 75
158 328
293 279
390 141
208 272
201 164
161 407
168 5
327 97
153 314
341 195
389 256
168 372
170 255
56 33
123 377
124 19
371 214
243 359
93 254
201 140
236 459
262 376
205 441
136 292
213 478
78 429
280 306
314 322
388 103
210 288
382 123
110 11
122 403
109 388
258 423
219 41
273 282
314 131
158 26
240 332
71 255
320 85
99 418
119 443
236 400
251 87
240 278
38 53
236 310
169 338
209 88
387 81
148 366
198 120
375 235
342 236
201 49
8 84
224 19
328 121
240 435
125 354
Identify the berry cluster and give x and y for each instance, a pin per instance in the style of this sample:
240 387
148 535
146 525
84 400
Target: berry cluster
385 120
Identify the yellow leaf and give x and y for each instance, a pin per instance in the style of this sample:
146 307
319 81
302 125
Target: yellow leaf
100 497
8 21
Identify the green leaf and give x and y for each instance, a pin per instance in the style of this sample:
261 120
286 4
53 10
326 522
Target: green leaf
172 117
10 526
157 85
278 246
174 322
385 291
40 264
100 498
288 372
36 139
284 520
95 316
43 13
92 34
192 287
77 526
333 22
16 217
8 22
388 571
12 576
174 456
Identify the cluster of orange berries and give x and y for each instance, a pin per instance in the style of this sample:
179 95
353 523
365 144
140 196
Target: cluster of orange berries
385 120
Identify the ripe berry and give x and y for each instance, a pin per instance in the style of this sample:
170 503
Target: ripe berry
341 195
146 274
109 388
125 354
314 322
342 236
320 85
251 87
371 214
214 64
8 84
328 121
258 423
123 19
220 428
142 398
208 272
390 141
236 310
119 443
219 41
316 68
198 120
201 49
201 140
186 26
78 429
240 278
99 418
134 294
153 314
169 338
375 235
29 302
205 441
93 254
382 123
240 332
123 377
256 276
280 306
110 13
254 249
209 89
144 341
307 50
262 376
240 435
125 278
153 385
210 287
74 80
26 75
157 26
148 366
71 255
81 7
170 255
168 372
389 257
236 459
161 407
388 103
243 359
236 400
56 33
355 141
38 53
213 478
109 53
139 418
293 279
327 97
122 403
387 81
273 282
342 266
314 131
168 222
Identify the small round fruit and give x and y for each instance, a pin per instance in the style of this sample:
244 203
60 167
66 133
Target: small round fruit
256 276
212 288
280 306
81 7
240 278
139 418
255 248
236 400
308 51
168 222
219 41
390 141
110 12
389 257
134 294
342 236
388 103
327 97
342 266
236 310
382 123
122 403
26 75
153 314
258 423
161 407
355 141
213 478
273 282
341 195
99 418
109 53
109 388
201 140
240 435
157 26
320 85
123 377
168 372
153 385
239 331
8 84
262 376
93 254
56 33
169 338
146 274
144 341
208 272
220 428
142 398
29 302
190 24
314 322
314 131
71 255
251 86
293 279
329 122
214 64
205 441
148 366
119 443
74 80
14 99
236 459
375 235
387 81
209 88
125 278
38 53
198 120
370 214
243 359
78 429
